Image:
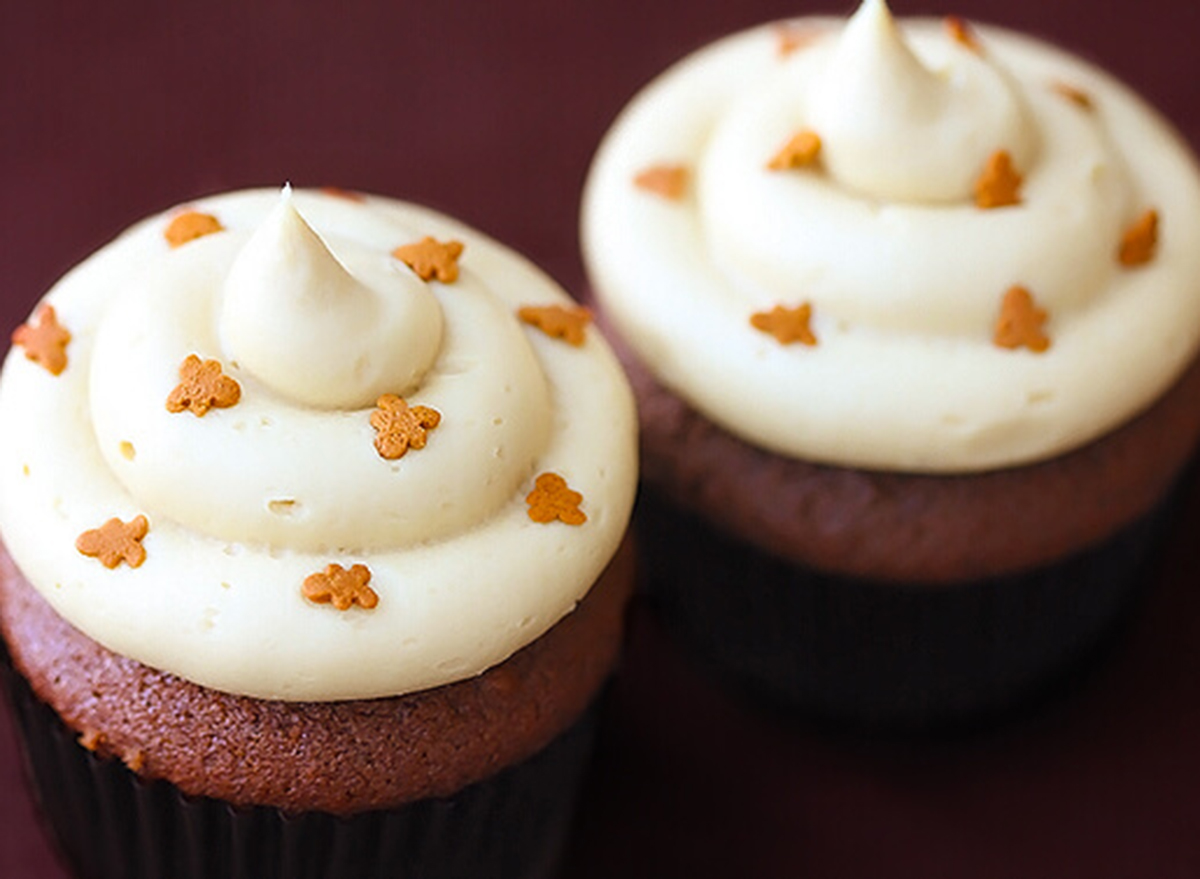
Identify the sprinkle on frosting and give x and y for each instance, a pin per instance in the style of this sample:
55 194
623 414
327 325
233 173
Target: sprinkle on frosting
799 152
1074 94
189 226
431 258
341 588
46 342
787 325
1020 322
557 321
552 499
203 386
1140 241
962 33
399 427
115 542
668 181
348 194
999 185
794 37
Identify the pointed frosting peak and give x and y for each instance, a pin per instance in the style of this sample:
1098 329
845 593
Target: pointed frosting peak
912 122
301 322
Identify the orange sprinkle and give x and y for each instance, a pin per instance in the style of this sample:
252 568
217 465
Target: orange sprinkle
1020 322
1140 241
668 181
799 152
190 225
339 192
341 588
787 325
552 499
962 33
1076 95
115 542
399 428
202 387
431 258
790 38
999 185
92 740
558 322
45 343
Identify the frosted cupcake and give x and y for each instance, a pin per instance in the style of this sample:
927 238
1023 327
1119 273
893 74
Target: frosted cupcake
314 504
912 313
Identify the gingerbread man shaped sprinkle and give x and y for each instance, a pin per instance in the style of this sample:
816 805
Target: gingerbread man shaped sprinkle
787 325
341 588
399 427
45 342
203 386
800 151
999 185
552 499
431 258
666 181
189 226
557 321
1020 322
115 542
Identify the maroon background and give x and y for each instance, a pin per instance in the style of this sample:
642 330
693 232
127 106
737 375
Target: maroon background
490 111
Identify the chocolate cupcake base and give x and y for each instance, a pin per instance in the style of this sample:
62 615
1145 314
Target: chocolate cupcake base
884 655
109 823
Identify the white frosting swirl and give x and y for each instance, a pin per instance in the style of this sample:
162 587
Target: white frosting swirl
905 274
314 322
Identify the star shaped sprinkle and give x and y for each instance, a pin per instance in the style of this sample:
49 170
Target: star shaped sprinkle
1020 322
999 185
46 342
115 542
961 33
787 325
1140 241
399 427
1073 94
799 152
202 387
431 258
552 499
557 321
341 588
190 225
668 181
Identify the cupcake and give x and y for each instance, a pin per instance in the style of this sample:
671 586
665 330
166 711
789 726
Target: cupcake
314 506
911 310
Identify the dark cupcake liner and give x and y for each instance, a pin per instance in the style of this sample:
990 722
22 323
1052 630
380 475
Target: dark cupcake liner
109 823
911 657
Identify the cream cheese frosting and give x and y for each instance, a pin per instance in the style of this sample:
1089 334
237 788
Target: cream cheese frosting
882 238
301 301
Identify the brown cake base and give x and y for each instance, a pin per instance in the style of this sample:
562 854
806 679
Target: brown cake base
475 778
896 599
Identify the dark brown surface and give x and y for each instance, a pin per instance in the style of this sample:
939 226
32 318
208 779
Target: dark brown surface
312 756
491 112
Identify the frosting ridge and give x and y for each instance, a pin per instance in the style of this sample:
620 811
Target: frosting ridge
885 238
249 500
